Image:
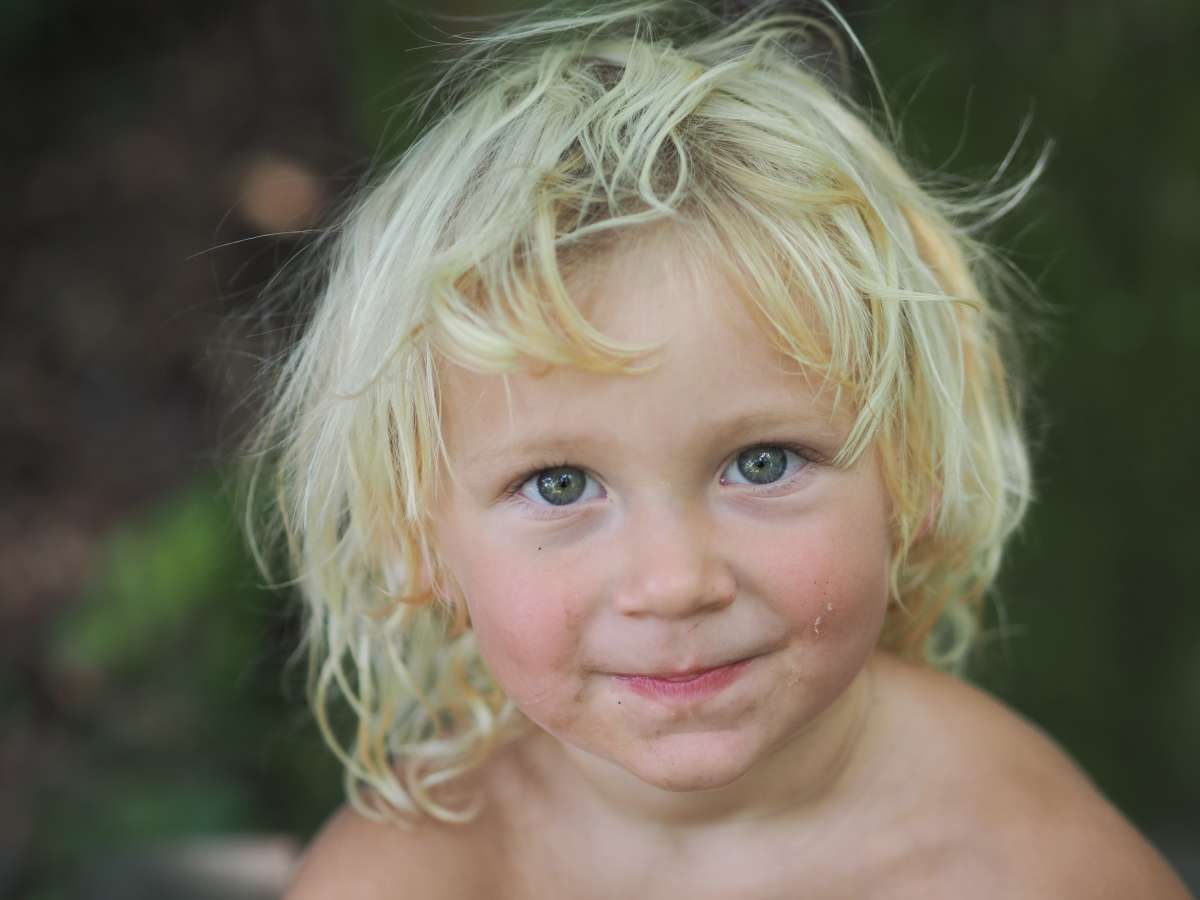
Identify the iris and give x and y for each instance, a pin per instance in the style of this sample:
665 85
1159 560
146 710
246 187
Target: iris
561 485
762 465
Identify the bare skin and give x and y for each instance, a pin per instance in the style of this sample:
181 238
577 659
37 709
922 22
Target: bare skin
945 793
825 769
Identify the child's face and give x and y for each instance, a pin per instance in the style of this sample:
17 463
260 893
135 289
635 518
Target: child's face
654 544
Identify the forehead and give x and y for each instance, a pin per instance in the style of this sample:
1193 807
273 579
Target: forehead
715 360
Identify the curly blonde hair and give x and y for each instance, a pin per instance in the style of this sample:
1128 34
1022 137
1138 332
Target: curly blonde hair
558 135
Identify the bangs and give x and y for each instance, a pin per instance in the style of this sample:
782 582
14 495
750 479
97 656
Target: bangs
817 302
751 162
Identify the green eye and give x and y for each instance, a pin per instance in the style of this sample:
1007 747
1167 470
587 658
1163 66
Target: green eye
562 485
762 465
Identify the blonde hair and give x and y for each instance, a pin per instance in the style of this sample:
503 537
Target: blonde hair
560 136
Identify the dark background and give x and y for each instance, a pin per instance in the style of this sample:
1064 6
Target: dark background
161 161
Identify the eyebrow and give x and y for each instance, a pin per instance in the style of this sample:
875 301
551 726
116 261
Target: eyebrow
540 445
534 445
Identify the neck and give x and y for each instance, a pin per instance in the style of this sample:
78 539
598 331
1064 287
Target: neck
800 779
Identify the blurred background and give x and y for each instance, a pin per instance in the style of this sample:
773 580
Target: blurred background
162 160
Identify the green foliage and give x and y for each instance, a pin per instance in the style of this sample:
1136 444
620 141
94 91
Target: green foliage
1104 649
153 578
391 55
173 670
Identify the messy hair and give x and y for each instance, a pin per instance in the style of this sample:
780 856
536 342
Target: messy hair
553 139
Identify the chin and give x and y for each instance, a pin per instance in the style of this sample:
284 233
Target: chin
683 763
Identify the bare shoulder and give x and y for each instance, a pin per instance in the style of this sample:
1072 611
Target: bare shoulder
999 804
355 858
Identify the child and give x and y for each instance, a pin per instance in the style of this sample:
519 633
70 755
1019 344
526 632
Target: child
645 458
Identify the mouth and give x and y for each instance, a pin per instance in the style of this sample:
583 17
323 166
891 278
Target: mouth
690 685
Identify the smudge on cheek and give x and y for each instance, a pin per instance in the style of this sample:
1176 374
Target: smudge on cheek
533 651
819 620
570 613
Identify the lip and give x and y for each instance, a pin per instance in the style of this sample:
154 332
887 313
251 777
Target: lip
694 685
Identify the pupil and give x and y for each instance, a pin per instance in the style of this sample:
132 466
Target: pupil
561 486
762 465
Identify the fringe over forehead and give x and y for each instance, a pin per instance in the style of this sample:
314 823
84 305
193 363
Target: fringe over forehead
557 140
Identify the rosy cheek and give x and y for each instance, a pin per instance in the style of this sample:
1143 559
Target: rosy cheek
830 588
525 630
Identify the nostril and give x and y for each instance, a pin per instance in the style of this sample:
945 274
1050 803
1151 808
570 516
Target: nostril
681 595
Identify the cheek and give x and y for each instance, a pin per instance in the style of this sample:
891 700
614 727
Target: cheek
523 621
830 583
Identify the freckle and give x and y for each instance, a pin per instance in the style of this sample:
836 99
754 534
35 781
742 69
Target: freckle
539 548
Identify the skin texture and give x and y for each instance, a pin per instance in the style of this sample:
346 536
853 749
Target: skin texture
826 770
670 561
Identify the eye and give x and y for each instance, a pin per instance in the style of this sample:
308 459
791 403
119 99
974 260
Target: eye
764 464
559 486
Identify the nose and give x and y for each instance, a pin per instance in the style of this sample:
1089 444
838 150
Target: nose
673 569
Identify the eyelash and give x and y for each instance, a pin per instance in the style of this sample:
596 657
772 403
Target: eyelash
807 457
514 487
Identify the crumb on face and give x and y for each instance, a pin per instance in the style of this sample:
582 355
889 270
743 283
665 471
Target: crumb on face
603 526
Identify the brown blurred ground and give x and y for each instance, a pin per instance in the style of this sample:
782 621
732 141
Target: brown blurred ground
147 147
